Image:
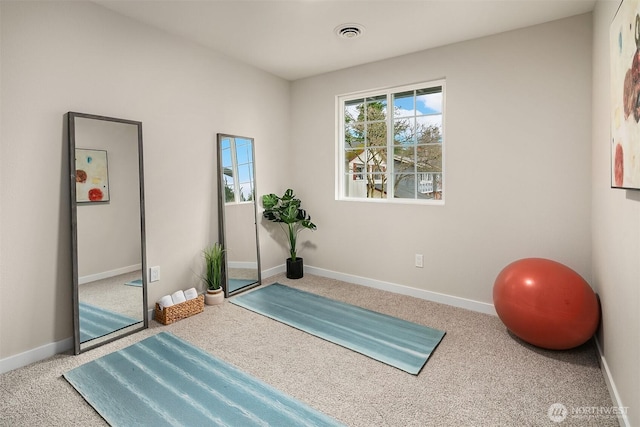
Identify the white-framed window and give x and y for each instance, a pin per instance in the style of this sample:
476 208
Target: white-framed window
391 144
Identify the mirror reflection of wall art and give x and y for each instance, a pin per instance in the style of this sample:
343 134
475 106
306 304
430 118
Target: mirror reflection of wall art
625 96
92 176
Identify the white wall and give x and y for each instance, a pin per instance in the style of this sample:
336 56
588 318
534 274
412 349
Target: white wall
77 56
517 164
240 239
616 236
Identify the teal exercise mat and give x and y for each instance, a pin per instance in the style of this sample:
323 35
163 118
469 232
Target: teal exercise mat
165 381
96 322
136 283
396 342
235 284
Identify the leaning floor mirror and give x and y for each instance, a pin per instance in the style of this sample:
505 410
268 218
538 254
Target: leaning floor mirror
107 229
237 213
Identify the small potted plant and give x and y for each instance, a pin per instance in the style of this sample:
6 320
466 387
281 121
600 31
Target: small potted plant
213 257
287 212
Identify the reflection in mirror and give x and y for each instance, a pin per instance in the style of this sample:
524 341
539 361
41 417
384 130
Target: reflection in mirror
107 218
238 231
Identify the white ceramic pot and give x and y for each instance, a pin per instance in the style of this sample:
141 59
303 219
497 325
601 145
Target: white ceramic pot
214 297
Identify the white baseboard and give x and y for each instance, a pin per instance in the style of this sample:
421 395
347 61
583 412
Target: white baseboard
465 303
273 271
243 264
623 419
35 355
106 274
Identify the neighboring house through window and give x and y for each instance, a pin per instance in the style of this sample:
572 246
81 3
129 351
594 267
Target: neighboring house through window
393 154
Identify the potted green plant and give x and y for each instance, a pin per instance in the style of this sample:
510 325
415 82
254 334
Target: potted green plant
213 257
287 212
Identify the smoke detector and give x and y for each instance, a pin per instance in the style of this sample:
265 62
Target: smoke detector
349 31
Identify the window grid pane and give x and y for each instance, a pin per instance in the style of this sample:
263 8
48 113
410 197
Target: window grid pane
376 134
413 133
365 147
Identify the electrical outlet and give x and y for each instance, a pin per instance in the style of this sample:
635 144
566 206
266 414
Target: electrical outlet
154 274
419 260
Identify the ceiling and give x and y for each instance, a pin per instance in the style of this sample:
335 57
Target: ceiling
294 39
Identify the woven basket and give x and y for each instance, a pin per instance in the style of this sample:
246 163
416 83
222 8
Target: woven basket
168 315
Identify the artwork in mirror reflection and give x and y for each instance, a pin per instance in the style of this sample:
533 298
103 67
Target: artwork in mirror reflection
109 237
92 176
238 232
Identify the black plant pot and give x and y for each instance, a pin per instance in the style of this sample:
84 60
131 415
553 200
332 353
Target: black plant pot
295 268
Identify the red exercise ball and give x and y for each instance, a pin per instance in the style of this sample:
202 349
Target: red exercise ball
546 303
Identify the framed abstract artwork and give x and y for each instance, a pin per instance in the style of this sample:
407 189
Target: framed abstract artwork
92 176
625 96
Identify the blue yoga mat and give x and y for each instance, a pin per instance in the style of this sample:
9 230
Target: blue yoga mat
136 282
163 380
235 284
396 342
97 322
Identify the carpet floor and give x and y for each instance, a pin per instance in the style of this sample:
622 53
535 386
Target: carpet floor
480 374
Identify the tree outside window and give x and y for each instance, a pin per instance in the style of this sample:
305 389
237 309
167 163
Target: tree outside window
393 153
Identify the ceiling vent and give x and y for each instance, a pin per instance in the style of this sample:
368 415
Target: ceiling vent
349 31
